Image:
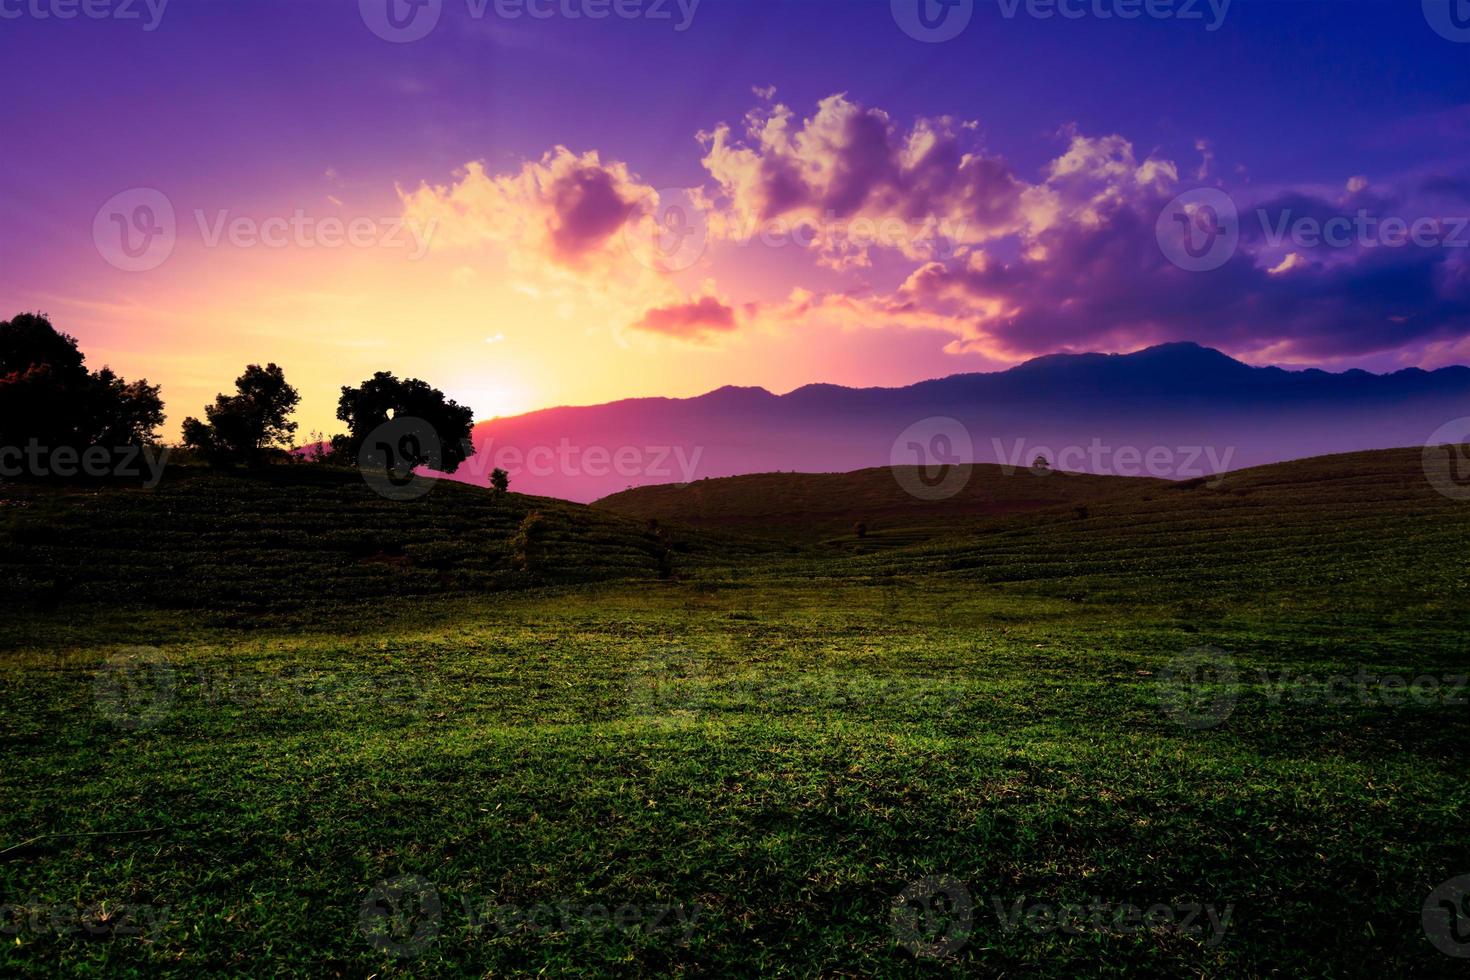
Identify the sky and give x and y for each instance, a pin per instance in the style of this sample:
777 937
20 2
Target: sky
617 198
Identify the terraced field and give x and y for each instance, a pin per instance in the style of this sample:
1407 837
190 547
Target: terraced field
304 539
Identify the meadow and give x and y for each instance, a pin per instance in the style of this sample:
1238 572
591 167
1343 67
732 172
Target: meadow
274 723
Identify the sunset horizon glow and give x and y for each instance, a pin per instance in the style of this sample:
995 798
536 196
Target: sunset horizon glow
507 211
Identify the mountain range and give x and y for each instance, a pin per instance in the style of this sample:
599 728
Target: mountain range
1176 411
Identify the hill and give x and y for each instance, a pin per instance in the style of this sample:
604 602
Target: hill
814 505
1207 411
1361 529
297 538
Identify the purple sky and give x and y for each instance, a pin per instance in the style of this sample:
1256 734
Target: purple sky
1028 160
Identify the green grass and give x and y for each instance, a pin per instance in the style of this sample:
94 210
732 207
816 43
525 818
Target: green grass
782 740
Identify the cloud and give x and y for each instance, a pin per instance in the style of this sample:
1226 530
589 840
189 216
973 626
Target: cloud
694 320
847 163
565 208
959 243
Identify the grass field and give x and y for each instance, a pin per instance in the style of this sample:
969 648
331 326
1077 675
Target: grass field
389 749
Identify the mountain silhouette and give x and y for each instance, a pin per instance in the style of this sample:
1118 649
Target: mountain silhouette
1194 408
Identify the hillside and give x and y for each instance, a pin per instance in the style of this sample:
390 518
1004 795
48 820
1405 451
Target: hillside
816 505
1365 527
296 538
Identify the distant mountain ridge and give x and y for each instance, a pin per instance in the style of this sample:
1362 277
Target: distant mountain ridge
1093 411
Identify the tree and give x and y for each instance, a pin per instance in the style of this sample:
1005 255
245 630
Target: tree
48 395
1040 465
245 426
499 481
444 443
860 529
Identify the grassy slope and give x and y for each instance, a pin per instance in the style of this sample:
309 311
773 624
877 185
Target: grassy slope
813 505
1365 527
788 742
298 539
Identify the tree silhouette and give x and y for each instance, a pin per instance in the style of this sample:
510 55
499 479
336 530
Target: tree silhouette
410 402
499 481
245 426
48 395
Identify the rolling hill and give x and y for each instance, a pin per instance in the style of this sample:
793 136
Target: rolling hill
811 505
299 538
